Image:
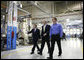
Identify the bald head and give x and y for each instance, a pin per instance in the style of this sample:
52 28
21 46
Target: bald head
44 22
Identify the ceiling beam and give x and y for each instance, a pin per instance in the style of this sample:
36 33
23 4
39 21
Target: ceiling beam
40 8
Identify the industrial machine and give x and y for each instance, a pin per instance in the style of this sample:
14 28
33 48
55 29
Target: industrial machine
3 34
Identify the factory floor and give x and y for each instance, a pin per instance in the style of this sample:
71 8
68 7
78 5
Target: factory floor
71 49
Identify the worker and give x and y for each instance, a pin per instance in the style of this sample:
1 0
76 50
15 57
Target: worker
45 37
36 35
56 33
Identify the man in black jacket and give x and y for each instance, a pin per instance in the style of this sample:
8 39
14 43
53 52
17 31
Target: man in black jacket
36 35
45 37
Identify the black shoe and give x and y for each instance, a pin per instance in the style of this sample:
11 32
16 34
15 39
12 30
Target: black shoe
39 53
38 50
32 53
59 54
49 58
48 51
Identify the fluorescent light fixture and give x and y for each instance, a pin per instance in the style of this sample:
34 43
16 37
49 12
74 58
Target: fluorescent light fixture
67 20
15 2
21 5
36 2
3 16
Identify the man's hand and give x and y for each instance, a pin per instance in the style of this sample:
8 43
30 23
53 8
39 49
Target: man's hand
45 34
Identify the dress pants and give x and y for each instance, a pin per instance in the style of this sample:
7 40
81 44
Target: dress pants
35 45
58 40
45 39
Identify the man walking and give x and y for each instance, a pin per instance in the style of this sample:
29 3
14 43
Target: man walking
56 33
45 37
36 35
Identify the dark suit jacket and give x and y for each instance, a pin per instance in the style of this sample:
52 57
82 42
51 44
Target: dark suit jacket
47 31
35 34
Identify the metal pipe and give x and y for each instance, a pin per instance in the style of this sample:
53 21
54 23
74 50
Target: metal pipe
40 8
24 11
18 8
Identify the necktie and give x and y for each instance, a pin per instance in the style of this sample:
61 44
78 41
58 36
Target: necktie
34 30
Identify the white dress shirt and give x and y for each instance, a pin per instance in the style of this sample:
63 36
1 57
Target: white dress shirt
44 27
34 29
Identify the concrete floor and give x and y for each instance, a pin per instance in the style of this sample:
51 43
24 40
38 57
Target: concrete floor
72 49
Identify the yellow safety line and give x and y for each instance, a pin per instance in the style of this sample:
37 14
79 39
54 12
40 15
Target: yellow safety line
82 50
81 47
14 52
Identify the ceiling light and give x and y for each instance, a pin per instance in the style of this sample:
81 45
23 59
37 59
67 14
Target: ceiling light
36 2
3 16
15 2
67 20
21 5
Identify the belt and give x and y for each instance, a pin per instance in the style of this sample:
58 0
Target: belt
55 35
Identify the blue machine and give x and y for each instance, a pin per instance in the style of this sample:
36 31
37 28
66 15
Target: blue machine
9 30
11 43
12 26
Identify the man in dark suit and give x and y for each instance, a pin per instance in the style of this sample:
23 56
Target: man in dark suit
45 37
36 35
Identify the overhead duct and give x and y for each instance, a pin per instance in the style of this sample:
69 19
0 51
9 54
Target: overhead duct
24 11
37 5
